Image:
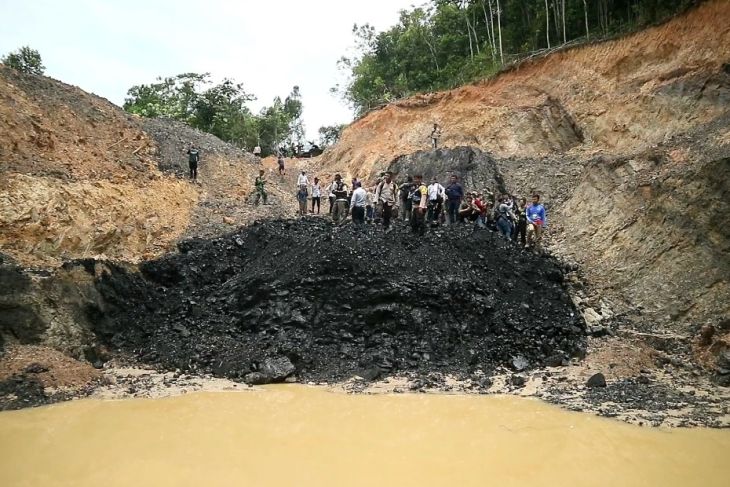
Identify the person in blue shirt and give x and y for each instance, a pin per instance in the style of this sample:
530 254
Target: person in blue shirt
454 194
536 221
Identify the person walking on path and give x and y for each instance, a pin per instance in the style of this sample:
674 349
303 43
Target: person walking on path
536 222
260 185
280 160
302 199
358 203
316 194
419 197
435 136
454 194
193 159
385 196
339 189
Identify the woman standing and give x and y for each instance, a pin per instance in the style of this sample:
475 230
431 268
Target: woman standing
316 194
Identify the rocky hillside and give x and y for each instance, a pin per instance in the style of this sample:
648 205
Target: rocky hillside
82 178
629 143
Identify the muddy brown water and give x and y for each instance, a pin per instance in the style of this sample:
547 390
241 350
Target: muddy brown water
306 436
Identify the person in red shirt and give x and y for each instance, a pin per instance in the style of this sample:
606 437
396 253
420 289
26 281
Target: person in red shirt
481 207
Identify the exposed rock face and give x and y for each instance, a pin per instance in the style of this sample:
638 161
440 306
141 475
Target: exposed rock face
475 168
336 301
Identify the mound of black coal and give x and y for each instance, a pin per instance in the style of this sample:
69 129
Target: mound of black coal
306 298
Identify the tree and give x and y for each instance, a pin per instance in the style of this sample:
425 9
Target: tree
219 110
330 134
25 60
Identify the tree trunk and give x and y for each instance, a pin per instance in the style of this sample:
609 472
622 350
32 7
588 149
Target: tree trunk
499 26
547 23
474 29
585 10
562 14
490 34
494 37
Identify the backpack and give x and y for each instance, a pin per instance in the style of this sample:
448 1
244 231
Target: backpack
194 155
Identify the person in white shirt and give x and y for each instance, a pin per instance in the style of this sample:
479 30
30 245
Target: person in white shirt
257 151
358 203
302 179
436 196
316 194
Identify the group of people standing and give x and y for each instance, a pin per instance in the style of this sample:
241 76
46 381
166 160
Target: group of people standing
420 204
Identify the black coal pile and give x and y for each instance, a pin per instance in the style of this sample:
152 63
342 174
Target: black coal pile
305 298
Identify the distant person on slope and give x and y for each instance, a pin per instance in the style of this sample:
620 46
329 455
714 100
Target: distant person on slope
339 189
316 194
419 197
385 195
536 221
358 204
260 187
454 194
257 151
280 160
435 135
193 159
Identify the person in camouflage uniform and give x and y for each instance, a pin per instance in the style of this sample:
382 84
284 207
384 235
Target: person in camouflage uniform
260 187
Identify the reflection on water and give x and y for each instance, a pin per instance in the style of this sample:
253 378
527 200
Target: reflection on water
302 436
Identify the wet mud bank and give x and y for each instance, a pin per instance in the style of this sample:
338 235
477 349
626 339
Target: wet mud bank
305 300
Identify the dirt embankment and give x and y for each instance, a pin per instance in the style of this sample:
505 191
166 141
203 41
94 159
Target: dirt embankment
628 143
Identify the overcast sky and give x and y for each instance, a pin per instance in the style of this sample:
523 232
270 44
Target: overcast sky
105 47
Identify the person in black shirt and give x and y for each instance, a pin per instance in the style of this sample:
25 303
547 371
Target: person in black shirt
193 159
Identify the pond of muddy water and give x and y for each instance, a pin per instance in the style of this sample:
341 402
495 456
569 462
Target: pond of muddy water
309 436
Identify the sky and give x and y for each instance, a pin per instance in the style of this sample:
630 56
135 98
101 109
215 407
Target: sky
105 47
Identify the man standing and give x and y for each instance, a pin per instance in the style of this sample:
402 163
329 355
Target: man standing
280 160
454 194
419 198
302 194
260 187
435 201
385 195
302 179
505 218
358 203
521 225
257 151
435 136
536 221
405 198
316 194
339 189
193 159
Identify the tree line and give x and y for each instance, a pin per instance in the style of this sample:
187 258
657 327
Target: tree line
220 109
447 43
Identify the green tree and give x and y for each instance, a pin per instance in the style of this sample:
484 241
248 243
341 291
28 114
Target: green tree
330 134
26 60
